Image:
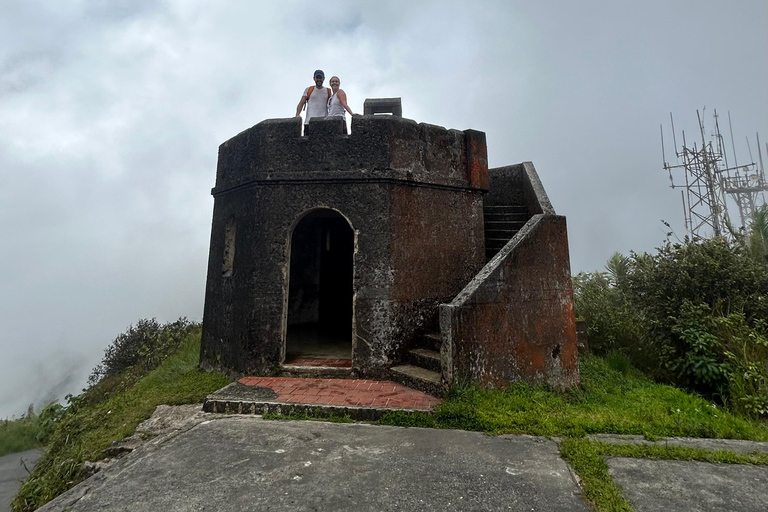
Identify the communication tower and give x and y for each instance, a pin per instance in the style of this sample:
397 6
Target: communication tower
708 180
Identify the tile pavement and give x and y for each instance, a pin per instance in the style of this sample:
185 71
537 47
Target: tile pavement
344 392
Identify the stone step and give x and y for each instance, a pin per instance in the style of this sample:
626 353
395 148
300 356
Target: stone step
319 372
418 378
515 208
496 243
504 213
504 224
495 234
425 358
430 341
505 217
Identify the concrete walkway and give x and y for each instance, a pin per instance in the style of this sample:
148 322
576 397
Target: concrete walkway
13 470
244 463
690 486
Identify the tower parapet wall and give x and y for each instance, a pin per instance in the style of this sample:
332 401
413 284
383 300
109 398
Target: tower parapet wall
384 147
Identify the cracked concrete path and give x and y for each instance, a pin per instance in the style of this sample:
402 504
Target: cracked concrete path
240 463
690 486
13 470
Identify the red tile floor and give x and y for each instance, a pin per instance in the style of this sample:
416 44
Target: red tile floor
345 392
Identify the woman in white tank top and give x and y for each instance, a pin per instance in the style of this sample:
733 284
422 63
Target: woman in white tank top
337 103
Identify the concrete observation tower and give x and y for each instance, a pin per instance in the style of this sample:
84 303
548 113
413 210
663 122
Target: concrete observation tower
392 252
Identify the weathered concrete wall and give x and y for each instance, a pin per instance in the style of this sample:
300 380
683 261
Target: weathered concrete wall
378 147
437 245
518 184
515 320
411 192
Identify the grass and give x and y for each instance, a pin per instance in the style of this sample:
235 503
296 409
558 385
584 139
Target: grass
19 435
90 428
587 458
612 398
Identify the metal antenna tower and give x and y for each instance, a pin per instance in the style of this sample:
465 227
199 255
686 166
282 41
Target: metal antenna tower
707 179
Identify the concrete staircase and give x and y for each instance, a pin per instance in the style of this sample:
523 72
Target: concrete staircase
422 368
501 224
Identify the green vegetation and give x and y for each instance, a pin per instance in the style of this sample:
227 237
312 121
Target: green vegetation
692 315
139 349
587 458
31 430
613 398
19 435
110 410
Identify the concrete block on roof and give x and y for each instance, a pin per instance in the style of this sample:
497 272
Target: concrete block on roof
383 106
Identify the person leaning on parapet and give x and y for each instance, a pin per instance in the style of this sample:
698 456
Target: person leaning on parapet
315 98
337 103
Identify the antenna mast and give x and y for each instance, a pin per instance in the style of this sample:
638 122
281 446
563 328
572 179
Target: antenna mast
708 181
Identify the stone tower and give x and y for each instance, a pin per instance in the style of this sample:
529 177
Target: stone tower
397 244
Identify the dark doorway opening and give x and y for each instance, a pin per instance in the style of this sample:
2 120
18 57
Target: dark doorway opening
319 317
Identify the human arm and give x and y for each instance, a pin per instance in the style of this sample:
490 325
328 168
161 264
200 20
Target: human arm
343 100
302 102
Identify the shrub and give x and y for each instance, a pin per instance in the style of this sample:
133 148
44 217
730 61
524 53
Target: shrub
723 275
723 356
49 419
142 348
613 325
692 314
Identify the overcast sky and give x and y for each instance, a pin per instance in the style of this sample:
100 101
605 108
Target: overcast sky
111 113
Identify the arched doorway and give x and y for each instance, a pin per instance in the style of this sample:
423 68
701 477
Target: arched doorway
319 316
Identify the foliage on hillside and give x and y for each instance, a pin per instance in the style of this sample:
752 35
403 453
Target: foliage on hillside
111 409
18 435
141 348
692 314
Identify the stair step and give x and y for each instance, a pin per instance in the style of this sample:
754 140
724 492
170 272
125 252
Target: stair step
501 214
430 340
516 208
315 372
500 233
504 224
497 242
425 358
497 217
418 378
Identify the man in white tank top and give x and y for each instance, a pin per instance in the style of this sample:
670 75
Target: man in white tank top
315 98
